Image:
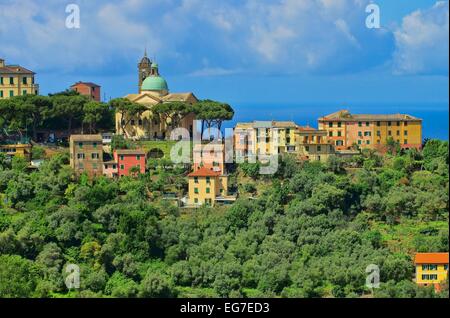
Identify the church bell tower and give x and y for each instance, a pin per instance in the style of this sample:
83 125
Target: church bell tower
144 69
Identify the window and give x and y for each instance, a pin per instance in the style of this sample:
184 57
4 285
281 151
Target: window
405 141
24 80
406 123
360 124
339 143
339 134
367 124
208 190
94 145
1 93
360 133
94 166
208 180
11 93
80 155
307 148
1 80
319 148
330 134
132 122
122 167
24 92
359 142
389 133
405 133
121 157
330 124
446 267
378 123
433 277
80 144
378 133
398 123
11 81
367 133
339 124
425 277
398 132
95 155
196 190
138 157
389 123
140 122
195 200
195 179
368 142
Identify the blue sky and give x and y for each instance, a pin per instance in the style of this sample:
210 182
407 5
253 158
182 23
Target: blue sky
246 51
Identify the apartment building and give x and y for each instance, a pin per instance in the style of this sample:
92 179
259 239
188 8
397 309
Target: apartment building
281 137
346 130
16 80
86 154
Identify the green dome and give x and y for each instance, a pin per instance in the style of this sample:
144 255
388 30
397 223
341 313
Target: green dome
154 83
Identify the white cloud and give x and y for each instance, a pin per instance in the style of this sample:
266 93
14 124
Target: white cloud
423 41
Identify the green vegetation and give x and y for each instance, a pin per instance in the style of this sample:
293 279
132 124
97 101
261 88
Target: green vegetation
310 231
26 114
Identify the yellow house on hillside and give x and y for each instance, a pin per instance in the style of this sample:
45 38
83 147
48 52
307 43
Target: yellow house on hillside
16 80
431 268
206 185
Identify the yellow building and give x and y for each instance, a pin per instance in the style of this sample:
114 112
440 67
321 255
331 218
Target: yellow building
312 144
206 187
346 130
17 149
431 268
281 137
16 80
153 90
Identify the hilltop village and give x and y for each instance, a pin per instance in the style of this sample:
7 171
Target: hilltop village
123 148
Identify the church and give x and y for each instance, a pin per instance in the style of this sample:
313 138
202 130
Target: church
153 90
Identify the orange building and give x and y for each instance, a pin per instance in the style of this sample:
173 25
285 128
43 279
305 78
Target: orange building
346 130
88 89
127 159
431 269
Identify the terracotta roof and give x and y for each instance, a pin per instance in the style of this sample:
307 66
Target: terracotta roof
86 138
15 69
178 97
85 83
345 115
130 152
267 124
204 172
431 258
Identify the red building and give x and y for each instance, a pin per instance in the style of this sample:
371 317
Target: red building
127 159
88 89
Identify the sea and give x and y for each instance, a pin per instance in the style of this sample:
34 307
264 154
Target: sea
435 116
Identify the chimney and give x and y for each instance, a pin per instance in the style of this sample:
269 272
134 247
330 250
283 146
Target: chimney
2 63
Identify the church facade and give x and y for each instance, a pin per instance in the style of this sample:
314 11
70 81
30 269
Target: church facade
153 90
